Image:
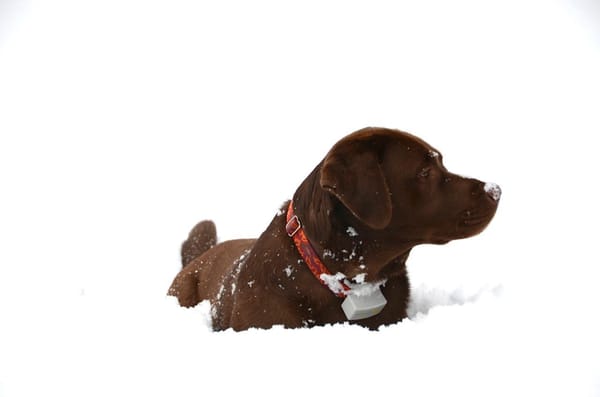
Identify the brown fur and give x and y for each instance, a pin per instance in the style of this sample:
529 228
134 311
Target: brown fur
388 185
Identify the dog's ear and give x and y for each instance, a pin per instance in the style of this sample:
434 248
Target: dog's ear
355 177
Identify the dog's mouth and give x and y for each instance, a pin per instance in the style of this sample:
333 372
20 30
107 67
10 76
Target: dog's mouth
475 217
467 223
473 221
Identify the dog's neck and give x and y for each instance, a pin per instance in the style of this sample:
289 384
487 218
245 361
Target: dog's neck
344 244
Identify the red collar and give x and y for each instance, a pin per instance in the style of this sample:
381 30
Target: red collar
294 229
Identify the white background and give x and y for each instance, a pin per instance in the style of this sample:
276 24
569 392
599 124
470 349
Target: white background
122 123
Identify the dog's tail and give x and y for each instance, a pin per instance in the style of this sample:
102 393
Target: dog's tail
202 238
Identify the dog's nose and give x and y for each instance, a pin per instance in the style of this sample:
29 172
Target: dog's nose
493 190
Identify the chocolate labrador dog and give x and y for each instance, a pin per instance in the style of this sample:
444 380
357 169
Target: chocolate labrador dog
337 251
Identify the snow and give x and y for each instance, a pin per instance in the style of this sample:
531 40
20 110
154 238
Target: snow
364 289
493 190
359 278
288 270
334 282
358 288
123 123
351 231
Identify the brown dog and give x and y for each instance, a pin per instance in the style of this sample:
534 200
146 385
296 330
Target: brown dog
345 237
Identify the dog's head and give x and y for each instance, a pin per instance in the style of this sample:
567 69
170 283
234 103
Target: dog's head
396 187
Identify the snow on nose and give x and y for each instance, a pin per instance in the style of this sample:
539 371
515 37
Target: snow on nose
493 190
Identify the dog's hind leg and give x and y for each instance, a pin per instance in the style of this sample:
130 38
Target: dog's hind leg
202 238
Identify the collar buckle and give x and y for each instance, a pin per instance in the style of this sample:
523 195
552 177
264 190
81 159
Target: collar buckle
292 226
